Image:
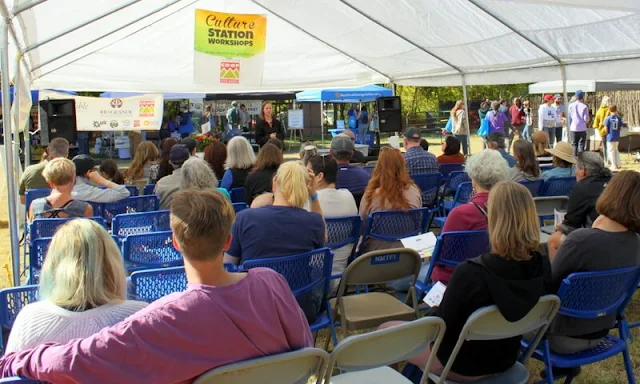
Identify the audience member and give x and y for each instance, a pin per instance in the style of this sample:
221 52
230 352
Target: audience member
593 177
216 155
350 177
277 142
613 123
417 160
460 126
191 144
486 169
109 170
253 314
540 145
83 288
307 151
32 177
163 168
424 144
358 157
60 174
197 174
267 126
145 158
260 179
563 161
240 160
390 188
169 185
451 151
612 242
284 227
527 167
89 181
495 141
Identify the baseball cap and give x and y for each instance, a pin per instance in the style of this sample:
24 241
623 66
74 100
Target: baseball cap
548 97
84 164
557 96
579 94
190 143
342 144
179 154
412 133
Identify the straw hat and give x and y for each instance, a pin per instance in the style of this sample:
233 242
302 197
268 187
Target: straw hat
564 151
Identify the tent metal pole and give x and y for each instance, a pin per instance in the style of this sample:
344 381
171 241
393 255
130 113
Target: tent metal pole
466 111
19 8
563 74
322 122
16 110
11 182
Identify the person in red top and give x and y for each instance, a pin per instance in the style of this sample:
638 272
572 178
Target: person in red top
518 120
485 169
451 152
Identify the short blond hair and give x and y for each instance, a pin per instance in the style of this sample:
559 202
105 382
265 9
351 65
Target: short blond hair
292 178
83 268
59 171
514 229
201 221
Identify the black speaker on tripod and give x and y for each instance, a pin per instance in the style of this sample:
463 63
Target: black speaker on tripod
389 113
58 119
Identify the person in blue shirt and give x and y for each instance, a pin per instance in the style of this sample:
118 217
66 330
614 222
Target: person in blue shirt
186 124
563 161
496 141
353 178
352 117
363 125
613 123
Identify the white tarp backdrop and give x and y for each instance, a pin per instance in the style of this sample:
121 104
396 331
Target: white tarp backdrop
147 45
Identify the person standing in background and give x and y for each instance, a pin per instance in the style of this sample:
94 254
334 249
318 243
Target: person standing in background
613 124
461 125
353 113
485 106
185 127
579 113
244 118
547 118
527 132
517 120
561 113
267 126
598 124
363 124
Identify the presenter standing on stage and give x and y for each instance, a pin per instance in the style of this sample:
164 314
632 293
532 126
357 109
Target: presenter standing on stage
268 127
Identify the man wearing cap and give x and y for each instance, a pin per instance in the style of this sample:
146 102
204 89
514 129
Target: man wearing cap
89 181
579 113
496 141
32 176
547 118
417 159
358 157
169 185
353 178
560 113
191 144
186 124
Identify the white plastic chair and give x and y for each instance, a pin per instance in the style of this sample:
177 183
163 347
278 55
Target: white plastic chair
365 357
295 367
489 324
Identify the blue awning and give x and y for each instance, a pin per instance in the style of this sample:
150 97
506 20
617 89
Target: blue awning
166 96
345 95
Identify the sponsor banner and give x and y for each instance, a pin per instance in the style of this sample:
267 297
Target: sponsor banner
23 95
229 48
220 107
132 113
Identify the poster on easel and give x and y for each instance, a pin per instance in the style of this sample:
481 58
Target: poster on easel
295 119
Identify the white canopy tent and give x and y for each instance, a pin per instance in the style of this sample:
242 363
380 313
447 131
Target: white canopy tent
147 45
584 85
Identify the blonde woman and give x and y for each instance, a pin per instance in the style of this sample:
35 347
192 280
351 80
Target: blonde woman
140 171
598 124
512 276
240 160
83 288
283 227
460 125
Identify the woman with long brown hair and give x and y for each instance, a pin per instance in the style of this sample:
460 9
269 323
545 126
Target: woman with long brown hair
143 160
267 126
216 154
259 181
163 168
460 125
527 167
390 188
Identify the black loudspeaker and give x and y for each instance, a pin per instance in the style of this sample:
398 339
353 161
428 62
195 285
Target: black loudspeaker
58 119
389 113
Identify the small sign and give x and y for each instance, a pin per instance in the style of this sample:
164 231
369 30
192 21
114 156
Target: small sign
385 259
295 119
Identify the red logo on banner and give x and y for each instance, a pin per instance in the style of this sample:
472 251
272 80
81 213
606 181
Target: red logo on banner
147 108
230 72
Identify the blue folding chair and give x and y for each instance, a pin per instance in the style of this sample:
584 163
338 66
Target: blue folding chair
446 169
133 190
533 186
145 203
369 169
591 295
452 248
150 250
137 223
12 300
237 195
18 380
558 186
545 167
237 207
429 184
308 275
462 196
392 226
47 227
151 284
149 189
29 196
342 231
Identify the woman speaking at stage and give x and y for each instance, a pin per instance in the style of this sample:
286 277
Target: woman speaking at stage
268 127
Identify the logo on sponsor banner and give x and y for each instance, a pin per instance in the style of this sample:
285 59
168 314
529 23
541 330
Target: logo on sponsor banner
136 123
147 108
98 124
126 123
116 103
83 105
146 123
113 124
230 72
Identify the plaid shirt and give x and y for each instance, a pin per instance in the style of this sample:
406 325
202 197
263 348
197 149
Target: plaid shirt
420 161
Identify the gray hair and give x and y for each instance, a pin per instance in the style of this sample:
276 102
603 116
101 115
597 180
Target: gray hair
487 168
592 163
307 151
197 173
58 147
240 154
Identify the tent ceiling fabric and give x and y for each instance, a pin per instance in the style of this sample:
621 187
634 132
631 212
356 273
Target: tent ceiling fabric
147 46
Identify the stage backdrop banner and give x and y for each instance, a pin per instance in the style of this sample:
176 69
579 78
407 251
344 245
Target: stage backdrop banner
229 48
134 113
220 107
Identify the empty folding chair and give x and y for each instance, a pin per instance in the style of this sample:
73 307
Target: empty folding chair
489 324
150 250
533 186
295 367
151 284
237 195
545 206
429 184
137 223
558 186
12 300
365 358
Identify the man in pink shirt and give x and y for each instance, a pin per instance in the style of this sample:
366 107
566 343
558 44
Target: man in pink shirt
220 319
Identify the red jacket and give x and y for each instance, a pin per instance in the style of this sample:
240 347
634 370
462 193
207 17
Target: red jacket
517 115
